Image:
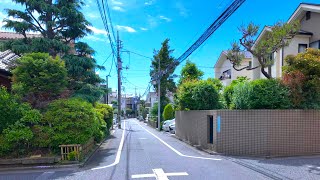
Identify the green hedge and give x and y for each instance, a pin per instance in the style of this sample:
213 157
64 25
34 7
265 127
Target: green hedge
198 95
72 121
261 94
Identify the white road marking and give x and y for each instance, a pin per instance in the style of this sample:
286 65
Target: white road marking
143 138
117 160
159 174
138 176
176 151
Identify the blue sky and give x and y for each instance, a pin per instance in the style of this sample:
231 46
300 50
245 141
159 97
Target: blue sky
144 24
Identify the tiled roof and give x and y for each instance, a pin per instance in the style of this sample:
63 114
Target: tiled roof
6 58
12 35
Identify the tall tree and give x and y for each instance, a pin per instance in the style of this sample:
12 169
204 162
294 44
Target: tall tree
60 22
277 37
166 59
190 72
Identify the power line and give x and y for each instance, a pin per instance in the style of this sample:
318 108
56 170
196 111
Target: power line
210 30
138 54
106 59
109 16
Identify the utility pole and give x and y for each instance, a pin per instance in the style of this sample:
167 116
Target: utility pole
159 104
119 79
107 96
135 102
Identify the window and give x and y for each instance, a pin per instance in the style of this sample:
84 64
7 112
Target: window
315 45
308 15
302 48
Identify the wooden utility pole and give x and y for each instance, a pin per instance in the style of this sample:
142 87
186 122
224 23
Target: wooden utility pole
119 79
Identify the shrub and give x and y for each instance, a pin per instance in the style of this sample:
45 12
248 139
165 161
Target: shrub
73 121
228 91
107 113
168 112
198 95
39 78
72 156
302 76
10 110
261 94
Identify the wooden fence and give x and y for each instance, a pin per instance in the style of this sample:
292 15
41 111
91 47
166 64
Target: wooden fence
80 150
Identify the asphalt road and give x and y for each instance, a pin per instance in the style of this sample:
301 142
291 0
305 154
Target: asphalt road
140 152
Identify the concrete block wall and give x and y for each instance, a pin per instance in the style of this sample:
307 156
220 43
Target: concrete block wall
253 132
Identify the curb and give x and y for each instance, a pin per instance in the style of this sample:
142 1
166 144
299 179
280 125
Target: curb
57 166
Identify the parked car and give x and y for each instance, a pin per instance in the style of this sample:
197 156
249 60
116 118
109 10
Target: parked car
165 125
172 127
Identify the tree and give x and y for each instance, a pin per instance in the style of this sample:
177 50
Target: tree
60 22
229 90
168 112
38 78
190 72
274 39
166 60
81 73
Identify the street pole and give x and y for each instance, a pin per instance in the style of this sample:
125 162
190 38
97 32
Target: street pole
135 102
107 83
119 80
159 104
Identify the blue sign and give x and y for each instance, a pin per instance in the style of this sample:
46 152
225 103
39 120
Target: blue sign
218 124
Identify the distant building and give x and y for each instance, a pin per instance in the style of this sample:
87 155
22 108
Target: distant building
223 69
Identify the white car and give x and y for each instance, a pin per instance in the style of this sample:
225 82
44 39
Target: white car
172 127
165 125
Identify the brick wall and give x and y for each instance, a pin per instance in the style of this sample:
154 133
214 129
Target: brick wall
253 132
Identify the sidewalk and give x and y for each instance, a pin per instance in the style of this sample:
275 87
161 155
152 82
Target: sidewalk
286 168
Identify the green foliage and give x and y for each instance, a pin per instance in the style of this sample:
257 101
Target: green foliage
166 59
73 121
190 72
154 110
58 22
302 76
107 113
228 91
90 93
261 94
272 40
218 84
129 111
81 67
39 78
72 156
198 95
168 112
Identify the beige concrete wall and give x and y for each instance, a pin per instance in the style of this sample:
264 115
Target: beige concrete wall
312 25
253 132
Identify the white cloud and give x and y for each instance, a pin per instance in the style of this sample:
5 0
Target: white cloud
118 8
94 38
125 28
93 15
165 18
149 3
98 31
115 2
6 1
143 29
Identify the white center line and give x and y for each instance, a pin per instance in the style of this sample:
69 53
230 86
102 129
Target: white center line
176 151
159 174
117 160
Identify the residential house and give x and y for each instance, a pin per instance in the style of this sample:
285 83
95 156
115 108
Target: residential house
308 37
223 69
7 57
150 100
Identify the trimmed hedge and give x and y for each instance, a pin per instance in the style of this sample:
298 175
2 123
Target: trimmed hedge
168 112
261 94
198 95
